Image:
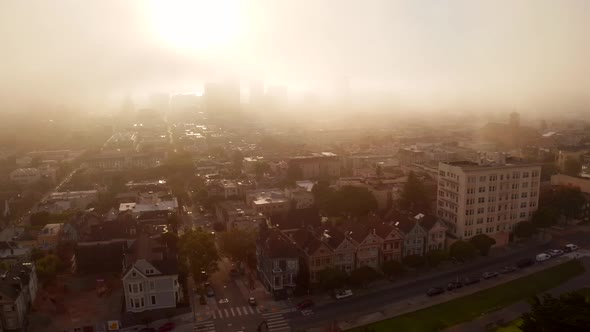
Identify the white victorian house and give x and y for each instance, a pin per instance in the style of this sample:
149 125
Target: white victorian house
151 285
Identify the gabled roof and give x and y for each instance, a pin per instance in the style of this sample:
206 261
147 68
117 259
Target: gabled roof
298 218
355 230
428 221
276 245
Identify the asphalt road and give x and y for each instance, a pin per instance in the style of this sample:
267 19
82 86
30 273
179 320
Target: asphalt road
369 303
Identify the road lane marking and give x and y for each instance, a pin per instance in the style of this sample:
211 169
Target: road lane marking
251 310
226 313
232 311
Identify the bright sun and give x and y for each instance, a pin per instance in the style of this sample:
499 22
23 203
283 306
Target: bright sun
195 24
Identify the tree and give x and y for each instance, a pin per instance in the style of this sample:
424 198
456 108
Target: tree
260 168
321 193
435 257
482 243
414 196
39 218
547 170
171 240
237 160
331 278
363 275
414 261
572 167
351 201
294 173
524 229
238 244
545 217
392 269
174 222
462 250
197 249
47 267
302 279
569 312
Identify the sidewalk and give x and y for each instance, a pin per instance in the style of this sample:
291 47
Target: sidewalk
421 302
496 254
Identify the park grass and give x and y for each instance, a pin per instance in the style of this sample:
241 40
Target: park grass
469 307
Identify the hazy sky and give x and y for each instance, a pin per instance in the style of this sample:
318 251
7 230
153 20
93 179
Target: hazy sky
511 53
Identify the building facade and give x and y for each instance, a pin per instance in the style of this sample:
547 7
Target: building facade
488 197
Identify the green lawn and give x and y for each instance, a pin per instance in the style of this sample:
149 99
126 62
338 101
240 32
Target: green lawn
470 307
513 327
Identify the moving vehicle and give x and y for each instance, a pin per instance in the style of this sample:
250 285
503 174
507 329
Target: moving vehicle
570 247
525 262
454 285
542 257
435 291
305 304
252 301
554 252
210 292
508 269
342 294
489 275
167 327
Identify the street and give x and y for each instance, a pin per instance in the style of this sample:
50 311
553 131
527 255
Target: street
364 304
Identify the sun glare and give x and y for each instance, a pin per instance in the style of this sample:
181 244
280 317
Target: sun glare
195 24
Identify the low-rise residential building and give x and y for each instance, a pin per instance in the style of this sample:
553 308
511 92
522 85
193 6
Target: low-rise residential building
50 236
12 253
392 239
236 214
436 232
277 262
367 243
18 289
316 165
315 251
150 280
299 197
25 176
413 233
268 201
58 202
150 201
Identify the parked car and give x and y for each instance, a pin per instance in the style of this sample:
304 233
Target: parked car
210 292
435 291
252 301
305 304
554 252
342 294
454 285
167 327
525 262
570 247
508 269
542 257
489 275
470 281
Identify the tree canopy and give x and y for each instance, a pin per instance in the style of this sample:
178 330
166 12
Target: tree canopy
197 249
572 167
414 196
392 269
363 275
238 244
331 278
414 261
545 217
462 250
568 312
348 201
524 229
482 243
435 257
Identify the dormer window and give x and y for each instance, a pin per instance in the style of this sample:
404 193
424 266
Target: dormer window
149 271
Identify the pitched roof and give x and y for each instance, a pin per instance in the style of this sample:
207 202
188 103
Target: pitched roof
306 241
276 245
298 218
428 221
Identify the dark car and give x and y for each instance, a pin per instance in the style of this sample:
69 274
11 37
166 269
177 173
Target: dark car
508 269
454 285
470 281
305 304
435 291
252 301
167 327
525 262
489 275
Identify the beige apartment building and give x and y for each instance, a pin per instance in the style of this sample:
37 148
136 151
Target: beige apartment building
488 197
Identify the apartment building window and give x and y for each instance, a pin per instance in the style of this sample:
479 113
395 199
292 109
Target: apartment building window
533 194
524 195
492 209
516 175
515 186
153 300
481 200
480 220
492 188
525 175
492 199
522 205
514 196
523 214
152 285
501 176
482 178
471 179
525 185
535 174
532 204
482 189
478 231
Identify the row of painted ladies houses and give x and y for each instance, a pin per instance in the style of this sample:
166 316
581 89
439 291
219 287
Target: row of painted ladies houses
370 241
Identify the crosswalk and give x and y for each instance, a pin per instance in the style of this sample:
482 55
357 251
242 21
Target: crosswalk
276 322
207 326
235 312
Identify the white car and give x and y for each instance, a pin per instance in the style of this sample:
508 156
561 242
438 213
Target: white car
542 257
571 247
343 294
554 252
